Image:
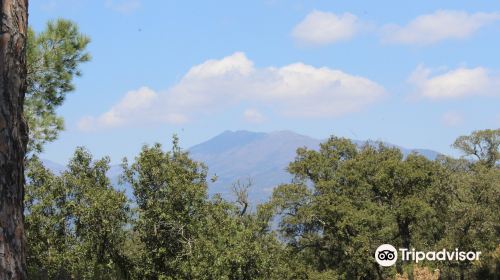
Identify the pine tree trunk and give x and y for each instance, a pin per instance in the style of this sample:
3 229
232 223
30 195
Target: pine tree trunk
13 137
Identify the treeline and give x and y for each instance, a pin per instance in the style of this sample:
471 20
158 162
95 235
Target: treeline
343 203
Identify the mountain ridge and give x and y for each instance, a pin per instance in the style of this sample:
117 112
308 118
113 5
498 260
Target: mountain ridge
245 155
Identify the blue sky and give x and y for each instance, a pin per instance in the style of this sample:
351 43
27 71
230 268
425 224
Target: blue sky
417 74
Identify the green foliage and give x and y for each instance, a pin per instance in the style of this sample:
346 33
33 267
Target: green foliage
75 221
345 202
53 59
473 223
232 246
170 191
340 221
185 235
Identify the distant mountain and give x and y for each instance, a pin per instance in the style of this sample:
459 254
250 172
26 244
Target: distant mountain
260 157
243 155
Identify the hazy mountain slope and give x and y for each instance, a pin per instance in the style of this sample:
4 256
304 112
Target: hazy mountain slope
262 157
243 155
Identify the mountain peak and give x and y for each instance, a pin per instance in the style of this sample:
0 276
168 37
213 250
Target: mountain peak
227 140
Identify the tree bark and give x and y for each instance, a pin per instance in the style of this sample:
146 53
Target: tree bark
13 136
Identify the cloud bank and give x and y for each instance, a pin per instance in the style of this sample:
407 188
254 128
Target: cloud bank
295 90
321 28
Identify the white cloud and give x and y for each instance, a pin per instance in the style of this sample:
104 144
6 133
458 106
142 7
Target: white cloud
253 116
293 90
136 107
457 83
123 6
441 25
452 119
322 28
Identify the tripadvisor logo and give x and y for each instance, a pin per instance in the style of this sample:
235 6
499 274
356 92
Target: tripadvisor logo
387 255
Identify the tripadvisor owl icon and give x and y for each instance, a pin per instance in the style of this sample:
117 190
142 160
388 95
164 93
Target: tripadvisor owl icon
386 255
